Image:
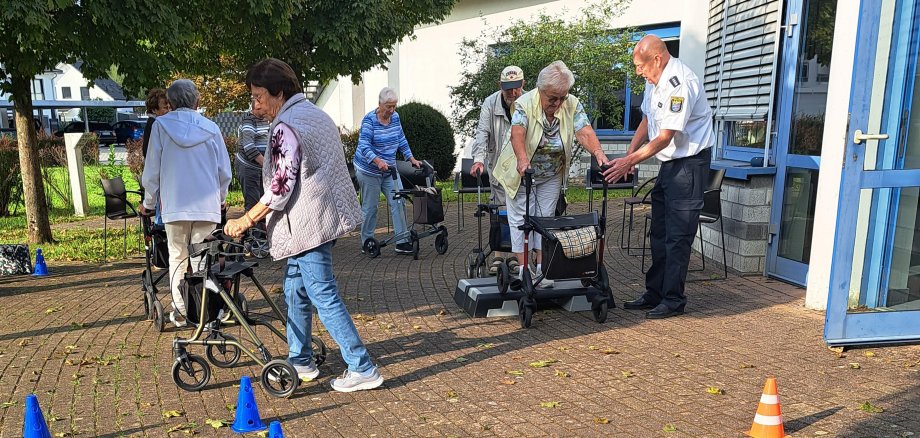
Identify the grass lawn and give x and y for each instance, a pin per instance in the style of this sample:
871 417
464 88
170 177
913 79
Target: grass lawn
82 244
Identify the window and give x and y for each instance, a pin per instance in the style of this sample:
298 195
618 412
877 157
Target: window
629 114
65 93
38 89
744 139
84 93
803 73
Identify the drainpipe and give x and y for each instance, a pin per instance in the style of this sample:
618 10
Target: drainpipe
720 131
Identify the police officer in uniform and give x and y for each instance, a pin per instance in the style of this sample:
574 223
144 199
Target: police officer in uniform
677 129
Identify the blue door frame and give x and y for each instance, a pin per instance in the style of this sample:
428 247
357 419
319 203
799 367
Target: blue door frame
849 328
789 270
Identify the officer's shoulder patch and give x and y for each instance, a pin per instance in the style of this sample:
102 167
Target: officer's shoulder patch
674 81
677 104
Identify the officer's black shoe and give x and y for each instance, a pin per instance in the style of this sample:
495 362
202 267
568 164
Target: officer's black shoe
638 304
662 311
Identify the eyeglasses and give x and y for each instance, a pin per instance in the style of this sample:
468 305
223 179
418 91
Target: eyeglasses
552 100
257 98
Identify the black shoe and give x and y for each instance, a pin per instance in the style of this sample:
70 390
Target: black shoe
662 311
638 304
404 248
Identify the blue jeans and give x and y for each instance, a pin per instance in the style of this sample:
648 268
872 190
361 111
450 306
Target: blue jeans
309 282
371 187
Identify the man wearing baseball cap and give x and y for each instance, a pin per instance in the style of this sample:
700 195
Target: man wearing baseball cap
494 125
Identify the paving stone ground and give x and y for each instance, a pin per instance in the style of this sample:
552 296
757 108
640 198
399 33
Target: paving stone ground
79 341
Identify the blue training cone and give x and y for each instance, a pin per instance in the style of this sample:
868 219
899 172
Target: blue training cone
34 425
41 269
274 430
247 413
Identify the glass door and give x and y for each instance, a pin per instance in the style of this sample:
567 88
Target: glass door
802 85
875 275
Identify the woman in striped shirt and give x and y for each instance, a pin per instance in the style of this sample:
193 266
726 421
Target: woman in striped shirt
380 138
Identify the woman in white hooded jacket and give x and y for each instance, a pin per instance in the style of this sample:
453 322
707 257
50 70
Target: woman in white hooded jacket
188 168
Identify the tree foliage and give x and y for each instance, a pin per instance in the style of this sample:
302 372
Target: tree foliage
599 56
224 91
149 40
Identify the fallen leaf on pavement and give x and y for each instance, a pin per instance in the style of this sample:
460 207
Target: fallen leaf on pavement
217 424
669 428
452 394
627 374
870 408
560 373
8 404
515 372
870 354
543 363
170 414
508 382
601 420
715 390
461 359
51 310
550 404
855 365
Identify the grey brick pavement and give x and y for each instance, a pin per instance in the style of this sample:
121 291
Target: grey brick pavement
78 341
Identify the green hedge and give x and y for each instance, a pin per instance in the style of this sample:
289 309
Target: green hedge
430 136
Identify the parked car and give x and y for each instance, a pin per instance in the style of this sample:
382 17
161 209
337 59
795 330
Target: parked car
129 130
103 131
11 131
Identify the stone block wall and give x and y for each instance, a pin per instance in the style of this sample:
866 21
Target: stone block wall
746 214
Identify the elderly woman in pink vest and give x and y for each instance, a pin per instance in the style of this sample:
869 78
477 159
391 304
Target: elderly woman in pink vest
309 202
544 127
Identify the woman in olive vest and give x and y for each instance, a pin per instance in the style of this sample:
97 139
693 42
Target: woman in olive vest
544 127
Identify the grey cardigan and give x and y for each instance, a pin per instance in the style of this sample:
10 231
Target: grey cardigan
323 205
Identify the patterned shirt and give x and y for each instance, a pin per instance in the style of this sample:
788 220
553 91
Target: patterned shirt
377 140
285 167
549 157
253 135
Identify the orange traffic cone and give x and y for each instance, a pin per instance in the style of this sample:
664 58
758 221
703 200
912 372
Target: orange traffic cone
768 422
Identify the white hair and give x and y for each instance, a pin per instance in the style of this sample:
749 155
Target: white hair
555 76
388 95
182 94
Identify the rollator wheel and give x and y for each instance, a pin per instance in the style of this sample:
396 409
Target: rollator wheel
372 247
471 259
526 310
319 351
440 242
191 372
223 356
503 278
414 237
279 378
443 230
604 281
159 315
599 309
148 305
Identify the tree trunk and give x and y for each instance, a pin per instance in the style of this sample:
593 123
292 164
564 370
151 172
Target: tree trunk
32 185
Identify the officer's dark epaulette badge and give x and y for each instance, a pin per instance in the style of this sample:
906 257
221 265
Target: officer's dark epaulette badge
674 81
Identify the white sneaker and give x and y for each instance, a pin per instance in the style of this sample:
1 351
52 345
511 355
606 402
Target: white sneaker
354 381
178 320
544 283
307 372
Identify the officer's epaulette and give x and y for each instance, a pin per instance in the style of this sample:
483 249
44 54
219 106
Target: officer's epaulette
674 81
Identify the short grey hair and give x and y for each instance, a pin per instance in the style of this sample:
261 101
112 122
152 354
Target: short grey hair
387 94
555 76
182 94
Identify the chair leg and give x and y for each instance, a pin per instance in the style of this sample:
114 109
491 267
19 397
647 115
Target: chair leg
124 240
105 238
724 259
702 245
623 227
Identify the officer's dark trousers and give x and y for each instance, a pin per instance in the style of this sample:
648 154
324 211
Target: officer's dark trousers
676 202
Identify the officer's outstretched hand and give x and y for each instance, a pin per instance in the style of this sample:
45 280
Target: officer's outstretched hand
618 168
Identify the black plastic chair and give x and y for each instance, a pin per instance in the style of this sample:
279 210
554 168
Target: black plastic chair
117 207
711 213
465 182
594 180
640 196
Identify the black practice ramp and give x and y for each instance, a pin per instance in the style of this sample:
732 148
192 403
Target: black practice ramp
480 298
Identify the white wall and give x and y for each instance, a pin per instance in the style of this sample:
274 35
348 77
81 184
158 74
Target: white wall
832 151
424 68
74 79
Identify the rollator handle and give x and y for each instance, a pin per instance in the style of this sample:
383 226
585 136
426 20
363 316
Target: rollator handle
528 178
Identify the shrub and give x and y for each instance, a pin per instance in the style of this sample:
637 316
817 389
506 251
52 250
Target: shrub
135 159
10 182
350 142
430 136
233 144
